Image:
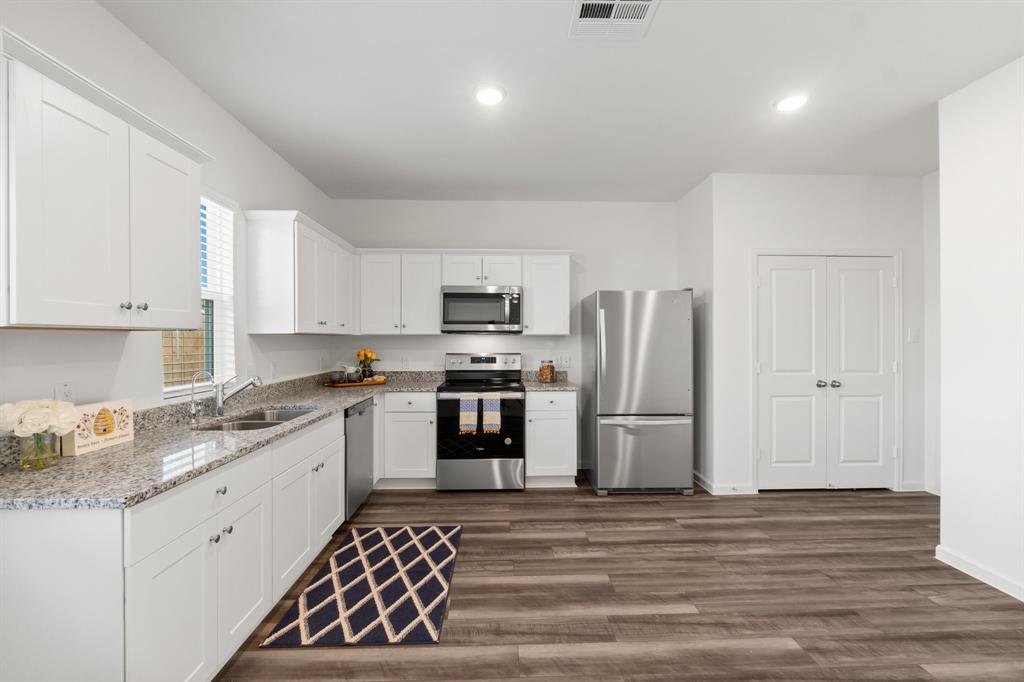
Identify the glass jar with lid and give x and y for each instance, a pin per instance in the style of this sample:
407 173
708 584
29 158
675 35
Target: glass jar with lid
546 373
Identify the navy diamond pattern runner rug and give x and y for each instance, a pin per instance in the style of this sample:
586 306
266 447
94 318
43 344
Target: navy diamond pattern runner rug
383 586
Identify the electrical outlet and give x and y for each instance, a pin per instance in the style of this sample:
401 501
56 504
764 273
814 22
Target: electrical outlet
64 391
405 362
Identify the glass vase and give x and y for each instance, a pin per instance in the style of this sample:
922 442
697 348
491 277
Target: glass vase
39 451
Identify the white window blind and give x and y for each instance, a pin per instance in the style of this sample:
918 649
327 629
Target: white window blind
217 273
212 346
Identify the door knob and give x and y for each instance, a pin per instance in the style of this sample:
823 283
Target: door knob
821 383
836 383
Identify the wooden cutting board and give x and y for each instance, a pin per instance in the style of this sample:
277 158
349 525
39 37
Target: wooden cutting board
375 381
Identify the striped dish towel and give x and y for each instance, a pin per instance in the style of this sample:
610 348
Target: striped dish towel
492 412
467 412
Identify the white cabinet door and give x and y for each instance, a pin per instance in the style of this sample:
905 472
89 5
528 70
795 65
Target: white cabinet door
546 295
244 565
69 227
380 292
306 242
344 293
503 270
462 270
551 444
171 610
327 255
410 445
165 236
328 467
293 525
421 294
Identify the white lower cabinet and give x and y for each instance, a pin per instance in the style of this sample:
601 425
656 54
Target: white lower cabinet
171 610
410 435
328 491
293 525
551 427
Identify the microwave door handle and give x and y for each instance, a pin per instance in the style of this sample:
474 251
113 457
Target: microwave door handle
508 308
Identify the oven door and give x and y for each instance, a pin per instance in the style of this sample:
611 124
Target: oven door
508 443
481 310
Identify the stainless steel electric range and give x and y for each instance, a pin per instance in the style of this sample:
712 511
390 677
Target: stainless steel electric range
479 460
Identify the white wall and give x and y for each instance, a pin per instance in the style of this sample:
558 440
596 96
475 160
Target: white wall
981 150
615 246
820 213
930 225
695 222
127 365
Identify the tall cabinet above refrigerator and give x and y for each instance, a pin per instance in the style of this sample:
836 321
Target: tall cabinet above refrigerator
637 393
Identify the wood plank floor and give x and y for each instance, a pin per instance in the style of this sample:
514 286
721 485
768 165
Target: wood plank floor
565 586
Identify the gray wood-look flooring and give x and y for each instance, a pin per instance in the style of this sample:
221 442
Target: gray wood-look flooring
565 586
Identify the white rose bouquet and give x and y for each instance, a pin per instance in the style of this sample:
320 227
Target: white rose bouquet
35 420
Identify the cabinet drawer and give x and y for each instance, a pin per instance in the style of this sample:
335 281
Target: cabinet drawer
410 402
291 450
157 521
551 400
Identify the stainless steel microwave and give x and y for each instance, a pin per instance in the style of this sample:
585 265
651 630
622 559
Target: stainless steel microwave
482 310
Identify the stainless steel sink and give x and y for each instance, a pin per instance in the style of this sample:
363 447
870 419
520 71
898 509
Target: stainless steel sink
263 419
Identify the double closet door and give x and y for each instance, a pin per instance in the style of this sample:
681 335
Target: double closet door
826 374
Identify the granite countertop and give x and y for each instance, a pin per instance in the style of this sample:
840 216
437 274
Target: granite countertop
167 452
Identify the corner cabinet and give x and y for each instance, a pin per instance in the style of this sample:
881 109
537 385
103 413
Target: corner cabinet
100 226
301 276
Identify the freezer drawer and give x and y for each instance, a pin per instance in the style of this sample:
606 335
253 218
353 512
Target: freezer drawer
644 453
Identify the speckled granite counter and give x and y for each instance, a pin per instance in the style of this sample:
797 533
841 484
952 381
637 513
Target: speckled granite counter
170 453
167 452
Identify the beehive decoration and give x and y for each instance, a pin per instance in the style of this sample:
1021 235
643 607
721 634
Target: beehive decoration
104 423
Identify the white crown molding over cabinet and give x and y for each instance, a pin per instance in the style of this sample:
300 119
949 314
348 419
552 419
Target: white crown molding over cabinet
99 205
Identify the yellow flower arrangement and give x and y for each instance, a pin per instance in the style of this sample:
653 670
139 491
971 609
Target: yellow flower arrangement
366 357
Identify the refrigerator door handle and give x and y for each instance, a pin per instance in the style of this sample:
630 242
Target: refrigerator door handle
645 422
601 338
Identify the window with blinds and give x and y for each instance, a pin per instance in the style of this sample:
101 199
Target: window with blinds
212 346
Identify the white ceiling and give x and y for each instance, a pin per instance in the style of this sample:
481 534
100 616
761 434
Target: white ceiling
375 99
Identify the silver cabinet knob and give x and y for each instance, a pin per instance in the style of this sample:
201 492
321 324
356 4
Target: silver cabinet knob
127 305
228 529
409 401
223 490
486 277
431 421
821 383
478 278
396 325
530 420
836 383
142 306
215 538
342 324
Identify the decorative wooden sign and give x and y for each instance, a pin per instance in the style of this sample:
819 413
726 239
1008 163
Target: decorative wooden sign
100 425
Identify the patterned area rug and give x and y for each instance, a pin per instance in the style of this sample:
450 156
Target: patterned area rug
383 586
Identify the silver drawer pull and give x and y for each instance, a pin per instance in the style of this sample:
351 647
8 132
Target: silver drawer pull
223 490
215 538
228 529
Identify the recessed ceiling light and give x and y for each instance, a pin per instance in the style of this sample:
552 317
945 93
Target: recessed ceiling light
791 103
489 95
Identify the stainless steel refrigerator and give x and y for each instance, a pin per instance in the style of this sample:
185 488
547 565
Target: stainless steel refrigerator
637 391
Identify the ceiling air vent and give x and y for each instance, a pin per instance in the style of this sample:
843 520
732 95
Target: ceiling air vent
623 19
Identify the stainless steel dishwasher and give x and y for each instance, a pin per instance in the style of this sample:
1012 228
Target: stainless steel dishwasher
358 455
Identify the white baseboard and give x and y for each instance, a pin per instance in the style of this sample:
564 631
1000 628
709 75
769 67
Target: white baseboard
405 484
727 489
997 580
912 487
550 481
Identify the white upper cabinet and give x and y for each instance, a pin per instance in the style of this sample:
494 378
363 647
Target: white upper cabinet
421 294
471 270
546 300
164 191
69 222
300 276
503 270
102 218
380 288
461 270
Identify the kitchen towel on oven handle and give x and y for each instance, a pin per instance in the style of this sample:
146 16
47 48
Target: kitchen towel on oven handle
468 403
492 412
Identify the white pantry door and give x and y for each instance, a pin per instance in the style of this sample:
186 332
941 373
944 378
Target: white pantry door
826 378
791 355
861 429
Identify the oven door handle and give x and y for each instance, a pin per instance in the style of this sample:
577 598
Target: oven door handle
480 394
